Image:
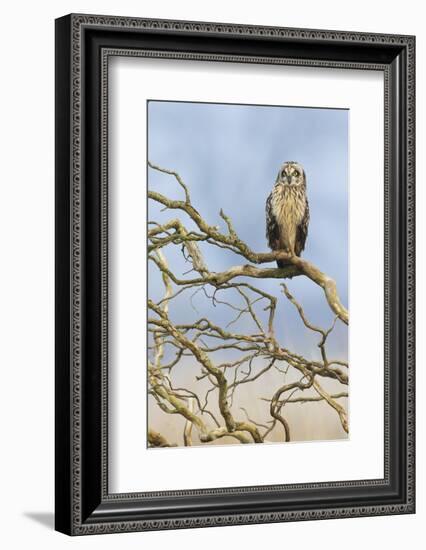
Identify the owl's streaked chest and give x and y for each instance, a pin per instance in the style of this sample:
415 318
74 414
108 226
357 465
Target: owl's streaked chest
289 205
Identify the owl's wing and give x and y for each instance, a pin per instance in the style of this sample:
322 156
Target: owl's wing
272 230
302 231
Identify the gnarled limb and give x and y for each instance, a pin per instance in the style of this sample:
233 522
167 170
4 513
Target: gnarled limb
227 360
299 265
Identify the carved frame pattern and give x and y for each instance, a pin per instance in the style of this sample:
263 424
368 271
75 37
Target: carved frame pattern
70 516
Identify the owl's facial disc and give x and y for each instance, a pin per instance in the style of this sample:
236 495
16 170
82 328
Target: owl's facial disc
291 174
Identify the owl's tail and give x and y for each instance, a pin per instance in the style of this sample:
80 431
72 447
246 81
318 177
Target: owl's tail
282 263
285 263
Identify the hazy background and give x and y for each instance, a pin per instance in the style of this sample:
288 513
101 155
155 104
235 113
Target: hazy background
229 156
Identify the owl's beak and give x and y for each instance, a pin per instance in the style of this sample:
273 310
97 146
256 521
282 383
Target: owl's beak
288 179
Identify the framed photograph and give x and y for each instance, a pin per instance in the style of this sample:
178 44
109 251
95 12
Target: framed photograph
234 274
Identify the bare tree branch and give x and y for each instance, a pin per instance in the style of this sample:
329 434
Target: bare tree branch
155 439
217 364
299 265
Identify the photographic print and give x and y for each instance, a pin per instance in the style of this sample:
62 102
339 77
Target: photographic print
247 274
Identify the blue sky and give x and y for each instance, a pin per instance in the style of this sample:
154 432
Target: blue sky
229 156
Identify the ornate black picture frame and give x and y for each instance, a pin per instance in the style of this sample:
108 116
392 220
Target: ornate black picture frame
83 45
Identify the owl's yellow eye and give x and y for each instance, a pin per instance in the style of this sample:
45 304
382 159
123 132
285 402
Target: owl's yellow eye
296 174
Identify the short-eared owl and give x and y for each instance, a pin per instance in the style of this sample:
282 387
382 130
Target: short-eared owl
287 211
